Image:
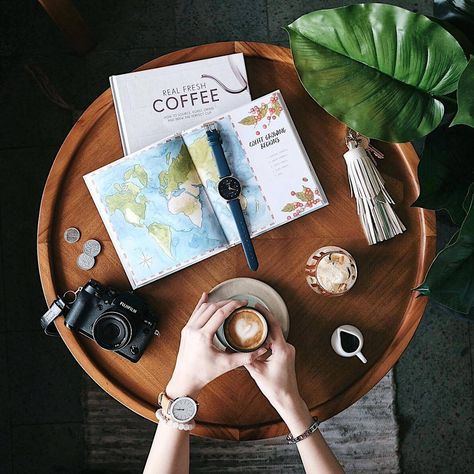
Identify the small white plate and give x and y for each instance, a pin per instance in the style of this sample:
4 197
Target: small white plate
255 291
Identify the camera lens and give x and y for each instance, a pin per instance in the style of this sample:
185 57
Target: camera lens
112 331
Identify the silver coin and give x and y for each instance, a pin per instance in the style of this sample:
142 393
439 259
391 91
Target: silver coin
92 247
85 262
72 235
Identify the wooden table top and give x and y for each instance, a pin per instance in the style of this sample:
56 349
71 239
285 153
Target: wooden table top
381 304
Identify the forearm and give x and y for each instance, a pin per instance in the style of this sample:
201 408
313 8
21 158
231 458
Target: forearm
316 455
169 452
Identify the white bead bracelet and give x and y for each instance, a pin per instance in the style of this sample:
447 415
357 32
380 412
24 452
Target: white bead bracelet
174 424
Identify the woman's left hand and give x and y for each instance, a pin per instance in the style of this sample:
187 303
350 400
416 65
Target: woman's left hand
199 361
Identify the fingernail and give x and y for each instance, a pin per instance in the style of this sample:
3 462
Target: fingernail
261 351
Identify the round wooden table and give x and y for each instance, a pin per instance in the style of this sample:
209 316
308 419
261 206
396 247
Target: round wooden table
381 304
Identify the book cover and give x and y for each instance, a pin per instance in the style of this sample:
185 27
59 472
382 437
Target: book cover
161 206
152 104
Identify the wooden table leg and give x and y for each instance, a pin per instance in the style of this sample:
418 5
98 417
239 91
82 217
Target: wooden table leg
70 22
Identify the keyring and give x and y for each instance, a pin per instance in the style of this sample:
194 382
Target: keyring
71 299
352 138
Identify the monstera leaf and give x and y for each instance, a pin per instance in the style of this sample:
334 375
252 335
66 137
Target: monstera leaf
465 112
378 68
466 6
450 279
446 170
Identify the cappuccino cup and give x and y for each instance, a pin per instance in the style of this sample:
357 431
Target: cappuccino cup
245 330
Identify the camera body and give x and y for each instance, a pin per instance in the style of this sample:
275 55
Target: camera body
118 322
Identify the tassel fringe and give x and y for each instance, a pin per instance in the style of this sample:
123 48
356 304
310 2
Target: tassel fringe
374 203
378 220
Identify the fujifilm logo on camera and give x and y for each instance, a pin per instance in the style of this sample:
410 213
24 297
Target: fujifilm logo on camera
127 306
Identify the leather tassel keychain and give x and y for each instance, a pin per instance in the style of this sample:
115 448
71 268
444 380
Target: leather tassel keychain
374 204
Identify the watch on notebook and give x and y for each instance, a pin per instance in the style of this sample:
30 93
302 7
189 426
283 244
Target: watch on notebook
229 189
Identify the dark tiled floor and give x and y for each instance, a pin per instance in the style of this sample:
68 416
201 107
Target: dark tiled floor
142 24
40 419
208 21
40 401
435 396
41 416
435 389
47 448
27 167
5 429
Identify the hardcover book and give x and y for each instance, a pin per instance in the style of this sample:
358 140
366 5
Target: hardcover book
152 104
161 205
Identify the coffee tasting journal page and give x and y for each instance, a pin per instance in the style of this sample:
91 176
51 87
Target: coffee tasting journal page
161 205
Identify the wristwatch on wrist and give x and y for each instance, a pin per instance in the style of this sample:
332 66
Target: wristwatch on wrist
229 189
180 410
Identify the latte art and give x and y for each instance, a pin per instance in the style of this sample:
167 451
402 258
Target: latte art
245 329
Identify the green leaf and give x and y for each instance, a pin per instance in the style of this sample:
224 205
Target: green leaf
465 114
446 170
466 6
250 120
378 68
450 279
467 201
302 196
290 207
277 108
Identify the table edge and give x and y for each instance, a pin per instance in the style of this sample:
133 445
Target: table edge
120 393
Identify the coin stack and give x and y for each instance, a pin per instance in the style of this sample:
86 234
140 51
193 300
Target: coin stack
86 259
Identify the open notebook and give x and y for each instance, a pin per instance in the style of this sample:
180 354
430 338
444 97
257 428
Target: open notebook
161 207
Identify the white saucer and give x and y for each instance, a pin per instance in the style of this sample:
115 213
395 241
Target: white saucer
256 292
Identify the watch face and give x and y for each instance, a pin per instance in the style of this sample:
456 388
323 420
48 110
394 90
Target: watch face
229 188
183 409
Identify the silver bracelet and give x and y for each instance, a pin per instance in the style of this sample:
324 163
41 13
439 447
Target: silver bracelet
306 434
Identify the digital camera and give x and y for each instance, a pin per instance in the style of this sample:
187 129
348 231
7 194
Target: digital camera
118 322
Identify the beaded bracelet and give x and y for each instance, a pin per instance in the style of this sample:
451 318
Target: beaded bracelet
306 434
174 424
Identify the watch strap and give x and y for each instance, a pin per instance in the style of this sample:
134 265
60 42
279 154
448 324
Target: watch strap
215 142
164 402
238 215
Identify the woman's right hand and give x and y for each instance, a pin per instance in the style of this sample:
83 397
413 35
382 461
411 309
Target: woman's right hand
276 375
276 378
